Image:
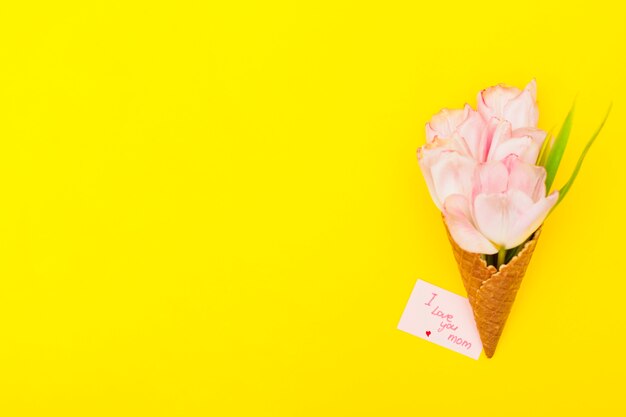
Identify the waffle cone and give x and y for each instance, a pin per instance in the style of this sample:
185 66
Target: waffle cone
491 293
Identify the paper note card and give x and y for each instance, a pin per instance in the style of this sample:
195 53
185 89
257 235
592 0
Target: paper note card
441 317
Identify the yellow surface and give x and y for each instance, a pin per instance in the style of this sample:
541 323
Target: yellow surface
217 210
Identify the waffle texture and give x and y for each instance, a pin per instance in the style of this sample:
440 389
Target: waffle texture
492 292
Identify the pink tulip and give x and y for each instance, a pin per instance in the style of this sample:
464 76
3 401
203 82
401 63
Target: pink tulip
517 106
506 205
498 141
447 172
486 138
465 124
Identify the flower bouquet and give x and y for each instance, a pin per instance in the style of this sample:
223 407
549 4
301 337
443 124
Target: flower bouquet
490 172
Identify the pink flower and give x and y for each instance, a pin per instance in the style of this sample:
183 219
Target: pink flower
495 131
446 171
480 170
499 140
517 106
460 130
506 205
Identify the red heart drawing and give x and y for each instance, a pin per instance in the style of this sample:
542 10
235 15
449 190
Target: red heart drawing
428 333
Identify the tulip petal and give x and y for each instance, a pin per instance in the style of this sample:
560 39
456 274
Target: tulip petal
500 131
530 179
492 101
445 123
531 87
457 143
446 172
537 135
497 213
522 111
426 157
471 131
524 148
452 173
459 221
491 177
510 103
530 219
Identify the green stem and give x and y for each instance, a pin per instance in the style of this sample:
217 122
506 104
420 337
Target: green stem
501 256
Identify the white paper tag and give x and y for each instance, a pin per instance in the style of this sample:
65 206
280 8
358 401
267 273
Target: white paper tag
441 317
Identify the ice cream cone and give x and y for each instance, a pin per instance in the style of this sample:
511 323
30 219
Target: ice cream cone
491 293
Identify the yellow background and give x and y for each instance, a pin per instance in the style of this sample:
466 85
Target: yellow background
217 209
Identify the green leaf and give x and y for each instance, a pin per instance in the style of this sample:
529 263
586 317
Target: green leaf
555 154
545 150
569 183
